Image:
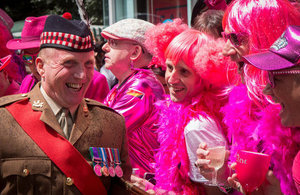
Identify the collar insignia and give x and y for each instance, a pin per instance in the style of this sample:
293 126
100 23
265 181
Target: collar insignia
38 104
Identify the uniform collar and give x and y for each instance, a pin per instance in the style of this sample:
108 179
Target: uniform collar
54 106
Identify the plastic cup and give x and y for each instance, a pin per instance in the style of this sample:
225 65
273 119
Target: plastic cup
251 169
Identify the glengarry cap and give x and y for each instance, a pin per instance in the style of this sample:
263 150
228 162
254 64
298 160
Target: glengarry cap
71 35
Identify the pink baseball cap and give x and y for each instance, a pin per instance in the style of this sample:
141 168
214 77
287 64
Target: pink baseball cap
284 53
4 62
30 36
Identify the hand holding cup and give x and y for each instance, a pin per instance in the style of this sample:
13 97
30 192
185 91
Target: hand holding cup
251 169
211 158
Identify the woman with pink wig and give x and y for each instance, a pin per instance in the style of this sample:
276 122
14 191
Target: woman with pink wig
196 77
257 24
157 39
251 26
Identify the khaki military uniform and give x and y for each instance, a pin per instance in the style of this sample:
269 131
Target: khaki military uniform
25 169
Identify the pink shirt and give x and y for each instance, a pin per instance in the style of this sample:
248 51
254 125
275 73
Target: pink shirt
98 88
135 98
28 83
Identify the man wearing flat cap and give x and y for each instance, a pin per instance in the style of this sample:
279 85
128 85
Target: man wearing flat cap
282 63
52 138
137 90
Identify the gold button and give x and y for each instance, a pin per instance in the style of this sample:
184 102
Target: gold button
25 172
24 95
69 181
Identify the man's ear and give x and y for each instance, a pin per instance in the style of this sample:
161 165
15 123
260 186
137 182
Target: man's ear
136 53
40 63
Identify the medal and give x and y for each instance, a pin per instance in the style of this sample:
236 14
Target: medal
118 169
111 171
97 170
96 161
111 168
106 161
97 166
104 171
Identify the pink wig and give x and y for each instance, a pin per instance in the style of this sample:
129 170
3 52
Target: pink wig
159 37
204 55
264 21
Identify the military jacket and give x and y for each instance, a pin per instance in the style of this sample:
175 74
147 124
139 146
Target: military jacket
24 167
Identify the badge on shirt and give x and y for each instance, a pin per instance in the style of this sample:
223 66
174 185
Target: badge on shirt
38 104
135 93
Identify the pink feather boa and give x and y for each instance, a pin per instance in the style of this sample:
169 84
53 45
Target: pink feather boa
283 144
240 116
172 158
255 129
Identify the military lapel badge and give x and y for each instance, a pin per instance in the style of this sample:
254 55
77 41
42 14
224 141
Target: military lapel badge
37 104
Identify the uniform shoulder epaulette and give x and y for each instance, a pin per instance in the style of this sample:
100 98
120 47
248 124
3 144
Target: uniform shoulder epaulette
91 102
6 100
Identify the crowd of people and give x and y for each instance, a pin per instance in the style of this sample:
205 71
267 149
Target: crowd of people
169 99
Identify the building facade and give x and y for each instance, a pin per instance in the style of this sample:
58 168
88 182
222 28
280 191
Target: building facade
154 11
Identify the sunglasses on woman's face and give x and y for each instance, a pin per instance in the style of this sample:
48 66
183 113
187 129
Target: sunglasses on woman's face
236 39
271 75
28 58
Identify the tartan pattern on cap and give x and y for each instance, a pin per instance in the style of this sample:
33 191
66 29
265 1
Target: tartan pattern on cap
67 40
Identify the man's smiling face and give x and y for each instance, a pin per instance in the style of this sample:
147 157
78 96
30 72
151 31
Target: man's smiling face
66 75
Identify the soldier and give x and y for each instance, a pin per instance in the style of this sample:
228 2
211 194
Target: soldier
46 134
29 46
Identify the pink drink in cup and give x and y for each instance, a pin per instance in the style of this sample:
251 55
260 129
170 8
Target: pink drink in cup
251 169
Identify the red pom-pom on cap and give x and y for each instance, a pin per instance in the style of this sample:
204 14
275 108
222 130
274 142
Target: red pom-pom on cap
67 15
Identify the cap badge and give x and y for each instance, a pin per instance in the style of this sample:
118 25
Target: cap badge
280 43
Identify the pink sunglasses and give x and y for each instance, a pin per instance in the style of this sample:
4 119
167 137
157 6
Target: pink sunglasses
236 39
